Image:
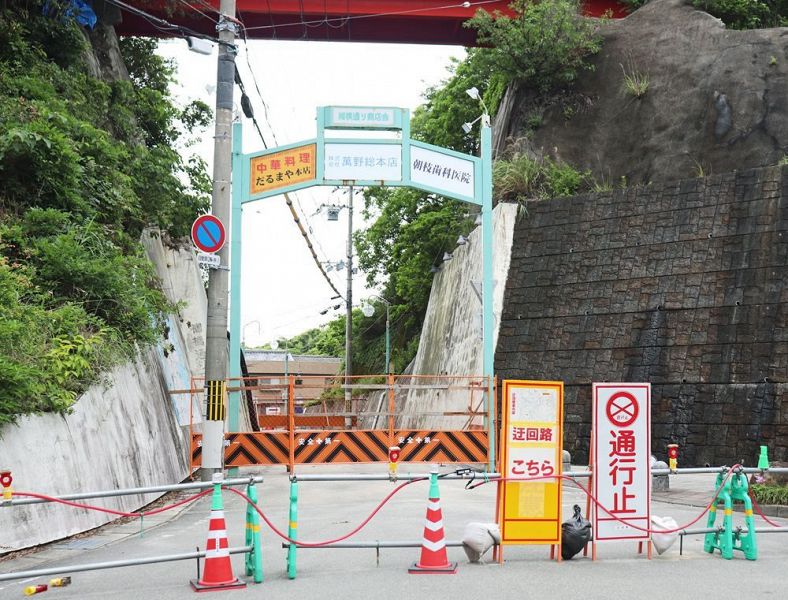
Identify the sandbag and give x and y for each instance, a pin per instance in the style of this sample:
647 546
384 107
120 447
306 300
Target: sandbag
575 534
663 541
478 538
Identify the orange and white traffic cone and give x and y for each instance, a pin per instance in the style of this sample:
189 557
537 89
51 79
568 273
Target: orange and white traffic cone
433 546
218 572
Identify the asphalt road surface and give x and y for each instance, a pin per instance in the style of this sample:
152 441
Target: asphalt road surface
329 509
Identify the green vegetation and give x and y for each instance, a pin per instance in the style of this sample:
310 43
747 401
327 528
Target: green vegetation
521 178
770 493
85 165
545 46
747 14
635 83
739 14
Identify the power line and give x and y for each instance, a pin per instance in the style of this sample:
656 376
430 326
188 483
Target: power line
347 19
288 201
247 108
198 11
167 27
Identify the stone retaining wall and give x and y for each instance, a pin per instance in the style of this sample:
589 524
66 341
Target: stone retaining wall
680 284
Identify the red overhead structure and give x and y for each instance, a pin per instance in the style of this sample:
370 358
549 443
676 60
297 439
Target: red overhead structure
410 21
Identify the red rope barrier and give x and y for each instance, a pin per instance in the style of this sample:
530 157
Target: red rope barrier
385 501
760 513
327 542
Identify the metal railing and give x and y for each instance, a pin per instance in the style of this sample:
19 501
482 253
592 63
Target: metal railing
194 485
132 562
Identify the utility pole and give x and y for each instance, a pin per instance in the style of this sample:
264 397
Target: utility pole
216 322
349 313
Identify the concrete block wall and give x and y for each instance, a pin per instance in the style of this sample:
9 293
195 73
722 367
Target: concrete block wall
679 284
451 341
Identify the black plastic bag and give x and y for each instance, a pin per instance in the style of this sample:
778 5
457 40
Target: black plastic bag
575 534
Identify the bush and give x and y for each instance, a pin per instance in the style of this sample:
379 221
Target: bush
770 494
85 165
545 46
747 14
521 178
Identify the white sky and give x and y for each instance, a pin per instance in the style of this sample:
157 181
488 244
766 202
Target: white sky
283 292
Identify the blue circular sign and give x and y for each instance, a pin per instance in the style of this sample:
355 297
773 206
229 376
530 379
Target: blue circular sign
208 233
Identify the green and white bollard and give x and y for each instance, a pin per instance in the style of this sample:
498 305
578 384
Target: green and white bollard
292 530
725 541
763 459
254 559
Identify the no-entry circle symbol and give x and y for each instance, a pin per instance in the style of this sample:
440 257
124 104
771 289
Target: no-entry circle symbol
208 233
622 409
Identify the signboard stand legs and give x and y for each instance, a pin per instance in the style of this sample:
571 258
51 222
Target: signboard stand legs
498 548
588 498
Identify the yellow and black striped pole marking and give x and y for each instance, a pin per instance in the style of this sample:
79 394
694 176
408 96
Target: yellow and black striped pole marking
214 409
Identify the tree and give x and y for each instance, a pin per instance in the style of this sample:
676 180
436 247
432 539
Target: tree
545 46
85 165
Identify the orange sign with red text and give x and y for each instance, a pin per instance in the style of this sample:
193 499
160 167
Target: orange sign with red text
282 169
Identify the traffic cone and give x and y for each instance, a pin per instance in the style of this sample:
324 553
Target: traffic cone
433 546
218 572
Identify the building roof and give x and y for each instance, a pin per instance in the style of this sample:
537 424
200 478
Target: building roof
279 355
272 362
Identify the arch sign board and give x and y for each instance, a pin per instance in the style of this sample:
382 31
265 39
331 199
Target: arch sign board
391 158
363 161
621 460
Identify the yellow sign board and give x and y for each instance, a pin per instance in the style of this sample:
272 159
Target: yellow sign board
529 512
282 169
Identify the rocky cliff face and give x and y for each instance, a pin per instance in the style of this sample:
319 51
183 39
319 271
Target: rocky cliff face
715 102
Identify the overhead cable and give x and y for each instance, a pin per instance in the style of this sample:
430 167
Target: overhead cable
343 20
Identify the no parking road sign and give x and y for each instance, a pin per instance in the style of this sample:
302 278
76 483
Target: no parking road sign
208 233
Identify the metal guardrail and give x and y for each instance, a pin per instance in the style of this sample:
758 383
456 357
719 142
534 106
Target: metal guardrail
477 475
470 475
373 544
115 564
740 530
195 485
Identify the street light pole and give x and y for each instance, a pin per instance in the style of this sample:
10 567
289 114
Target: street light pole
388 342
216 319
368 312
488 352
487 283
349 308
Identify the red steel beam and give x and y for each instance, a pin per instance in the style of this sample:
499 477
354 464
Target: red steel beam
407 21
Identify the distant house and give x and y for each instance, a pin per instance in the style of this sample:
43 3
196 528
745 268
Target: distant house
269 371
